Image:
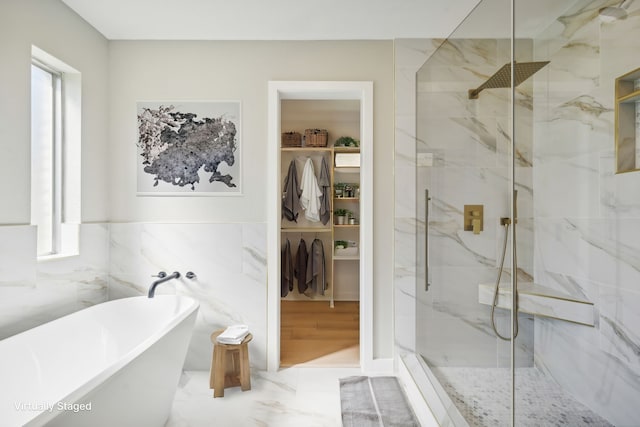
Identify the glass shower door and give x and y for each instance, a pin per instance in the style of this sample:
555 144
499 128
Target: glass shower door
532 163
465 162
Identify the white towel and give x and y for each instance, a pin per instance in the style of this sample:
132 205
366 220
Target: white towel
233 334
311 193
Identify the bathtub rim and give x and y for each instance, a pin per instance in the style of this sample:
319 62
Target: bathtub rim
93 382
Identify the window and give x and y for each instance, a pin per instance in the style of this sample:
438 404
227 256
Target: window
55 155
46 141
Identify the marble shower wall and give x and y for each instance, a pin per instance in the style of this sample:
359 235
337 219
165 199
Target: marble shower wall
230 264
587 218
33 293
581 225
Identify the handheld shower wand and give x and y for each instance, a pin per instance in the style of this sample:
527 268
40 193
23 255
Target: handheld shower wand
506 222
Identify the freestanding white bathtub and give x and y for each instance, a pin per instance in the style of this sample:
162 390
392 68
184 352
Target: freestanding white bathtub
112 364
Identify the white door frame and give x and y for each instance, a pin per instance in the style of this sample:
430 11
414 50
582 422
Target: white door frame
344 90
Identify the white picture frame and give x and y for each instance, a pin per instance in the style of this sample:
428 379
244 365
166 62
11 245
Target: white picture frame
189 148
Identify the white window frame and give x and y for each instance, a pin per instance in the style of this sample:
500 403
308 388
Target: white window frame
66 174
56 161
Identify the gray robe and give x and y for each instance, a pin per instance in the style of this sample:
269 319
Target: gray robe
300 268
316 276
286 273
325 185
291 194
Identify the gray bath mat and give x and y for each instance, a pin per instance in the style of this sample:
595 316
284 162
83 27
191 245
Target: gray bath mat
374 401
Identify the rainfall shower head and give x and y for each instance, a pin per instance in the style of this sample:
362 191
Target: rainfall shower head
613 13
502 78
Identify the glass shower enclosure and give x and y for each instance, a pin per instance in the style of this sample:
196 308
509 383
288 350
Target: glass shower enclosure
526 286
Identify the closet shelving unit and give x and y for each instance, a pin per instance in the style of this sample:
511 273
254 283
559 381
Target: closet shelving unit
347 231
342 272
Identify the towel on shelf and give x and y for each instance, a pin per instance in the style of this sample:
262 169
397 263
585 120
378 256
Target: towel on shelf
234 334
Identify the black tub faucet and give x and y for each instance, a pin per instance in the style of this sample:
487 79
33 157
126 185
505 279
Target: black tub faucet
162 277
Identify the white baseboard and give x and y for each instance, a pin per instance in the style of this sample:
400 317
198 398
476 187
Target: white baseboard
378 367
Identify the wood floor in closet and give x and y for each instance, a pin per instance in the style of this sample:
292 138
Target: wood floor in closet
314 334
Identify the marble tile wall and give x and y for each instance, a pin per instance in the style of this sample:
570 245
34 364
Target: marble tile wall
33 293
579 228
587 218
117 260
229 261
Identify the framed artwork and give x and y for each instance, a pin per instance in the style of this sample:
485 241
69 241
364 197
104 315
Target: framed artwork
189 148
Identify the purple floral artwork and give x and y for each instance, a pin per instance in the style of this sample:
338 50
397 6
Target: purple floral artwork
188 148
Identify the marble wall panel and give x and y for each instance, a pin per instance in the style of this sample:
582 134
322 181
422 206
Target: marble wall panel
88 271
229 261
35 292
571 354
619 194
618 329
591 249
570 189
587 219
18 260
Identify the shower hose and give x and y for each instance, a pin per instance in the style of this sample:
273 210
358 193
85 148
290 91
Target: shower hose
506 222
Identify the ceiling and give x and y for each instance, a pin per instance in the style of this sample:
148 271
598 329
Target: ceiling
272 19
312 20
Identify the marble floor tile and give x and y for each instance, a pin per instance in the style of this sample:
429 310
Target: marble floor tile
483 396
297 396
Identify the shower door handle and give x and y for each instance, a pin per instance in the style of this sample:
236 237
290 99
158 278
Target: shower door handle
426 240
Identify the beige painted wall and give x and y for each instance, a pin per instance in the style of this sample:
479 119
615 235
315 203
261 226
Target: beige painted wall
116 74
189 70
53 27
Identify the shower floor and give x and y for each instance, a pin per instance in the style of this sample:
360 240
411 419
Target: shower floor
482 395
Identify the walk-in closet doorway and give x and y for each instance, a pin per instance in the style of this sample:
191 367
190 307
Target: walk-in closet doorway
349 278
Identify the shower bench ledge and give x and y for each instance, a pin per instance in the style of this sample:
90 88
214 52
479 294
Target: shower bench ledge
541 301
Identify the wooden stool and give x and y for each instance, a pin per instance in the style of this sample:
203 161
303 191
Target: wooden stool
229 365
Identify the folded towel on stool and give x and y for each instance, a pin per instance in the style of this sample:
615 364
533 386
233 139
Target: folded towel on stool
233 334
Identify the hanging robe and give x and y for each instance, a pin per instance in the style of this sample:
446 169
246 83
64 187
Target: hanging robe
316 276
300 268
286 273
325 184
291 194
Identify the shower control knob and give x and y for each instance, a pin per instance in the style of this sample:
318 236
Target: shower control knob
161 275
190 275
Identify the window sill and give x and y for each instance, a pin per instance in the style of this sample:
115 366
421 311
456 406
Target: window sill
55 257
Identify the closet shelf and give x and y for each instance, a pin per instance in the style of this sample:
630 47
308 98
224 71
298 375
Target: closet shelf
347 169
346 225
305 229
346 149
346 258
305 149
347 199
